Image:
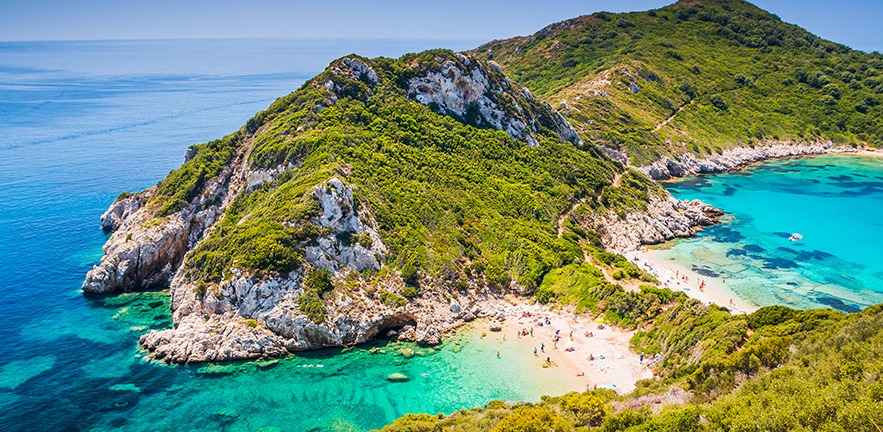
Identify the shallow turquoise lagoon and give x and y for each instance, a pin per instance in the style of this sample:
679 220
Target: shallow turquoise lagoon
834 201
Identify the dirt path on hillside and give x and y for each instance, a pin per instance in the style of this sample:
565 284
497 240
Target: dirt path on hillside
665 122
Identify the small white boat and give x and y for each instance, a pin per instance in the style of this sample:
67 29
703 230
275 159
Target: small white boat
795 237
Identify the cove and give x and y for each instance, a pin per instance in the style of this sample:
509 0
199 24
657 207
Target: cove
832 200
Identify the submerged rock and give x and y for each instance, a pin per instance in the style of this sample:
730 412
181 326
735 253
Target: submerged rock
397 377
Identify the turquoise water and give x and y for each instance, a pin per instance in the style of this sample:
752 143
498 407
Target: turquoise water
834 201
83 121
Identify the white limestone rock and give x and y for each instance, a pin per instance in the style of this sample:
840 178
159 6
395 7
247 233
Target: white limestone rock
464 88
688 164
119 211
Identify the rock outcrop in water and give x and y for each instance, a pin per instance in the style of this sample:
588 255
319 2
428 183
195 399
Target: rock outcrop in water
145 250
119 211
732 158
666 218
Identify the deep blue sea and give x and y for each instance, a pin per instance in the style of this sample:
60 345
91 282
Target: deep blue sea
833 201
81 122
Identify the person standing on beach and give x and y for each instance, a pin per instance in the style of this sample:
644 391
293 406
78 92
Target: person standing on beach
535 351
543 347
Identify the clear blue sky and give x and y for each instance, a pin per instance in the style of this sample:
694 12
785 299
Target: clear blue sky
853 22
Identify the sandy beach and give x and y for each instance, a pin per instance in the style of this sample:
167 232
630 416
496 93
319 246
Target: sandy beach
861 151
613 365
682 279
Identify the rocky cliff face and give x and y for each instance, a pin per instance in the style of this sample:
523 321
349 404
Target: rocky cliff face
340 249
119 211
688 164
145 251
249 316
464 88
666 218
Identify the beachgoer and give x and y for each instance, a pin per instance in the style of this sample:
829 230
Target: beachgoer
535 351
557 331
531 332
498 354
504 337
641 357
543 347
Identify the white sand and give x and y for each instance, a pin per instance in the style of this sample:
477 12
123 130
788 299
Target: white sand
671 275
620 368
861 151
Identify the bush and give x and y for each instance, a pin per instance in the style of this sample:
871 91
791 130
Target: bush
531 419
318 281
719 103
312 307
391 300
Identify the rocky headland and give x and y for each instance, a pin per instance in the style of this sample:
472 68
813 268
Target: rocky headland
258 314
250 314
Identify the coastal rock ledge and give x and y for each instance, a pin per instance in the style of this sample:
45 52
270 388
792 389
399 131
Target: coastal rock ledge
665 218
688 164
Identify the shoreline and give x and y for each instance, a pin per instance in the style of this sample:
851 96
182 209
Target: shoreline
614 365
857 151
670 276
670 273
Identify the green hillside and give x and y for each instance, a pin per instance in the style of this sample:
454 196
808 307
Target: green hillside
699 76
455 200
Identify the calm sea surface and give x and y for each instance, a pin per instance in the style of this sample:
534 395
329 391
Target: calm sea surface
83 121
834 201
